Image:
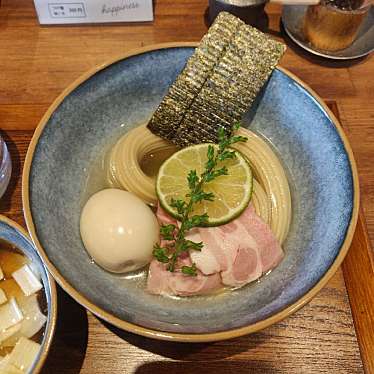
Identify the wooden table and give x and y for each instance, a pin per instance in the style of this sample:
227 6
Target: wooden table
37 63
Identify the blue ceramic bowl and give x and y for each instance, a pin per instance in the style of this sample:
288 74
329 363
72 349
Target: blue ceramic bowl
16 235
106 103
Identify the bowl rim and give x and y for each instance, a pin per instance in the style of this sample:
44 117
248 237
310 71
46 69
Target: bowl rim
163 335
49 333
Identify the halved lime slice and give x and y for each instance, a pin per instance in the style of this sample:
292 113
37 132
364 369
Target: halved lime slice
232 192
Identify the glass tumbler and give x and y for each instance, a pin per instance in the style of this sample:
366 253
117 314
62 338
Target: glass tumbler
5 166
331 28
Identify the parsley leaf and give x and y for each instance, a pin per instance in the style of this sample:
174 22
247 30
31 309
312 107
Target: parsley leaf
166 231
190 270
160 254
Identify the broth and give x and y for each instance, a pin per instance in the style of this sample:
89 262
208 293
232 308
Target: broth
151 162
11 259
97 179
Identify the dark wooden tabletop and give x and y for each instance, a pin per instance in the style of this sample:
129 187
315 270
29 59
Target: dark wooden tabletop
326 336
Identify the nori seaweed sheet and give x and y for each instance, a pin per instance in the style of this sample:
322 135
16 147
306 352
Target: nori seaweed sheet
219 83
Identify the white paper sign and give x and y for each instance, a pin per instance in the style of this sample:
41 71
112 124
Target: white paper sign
93 11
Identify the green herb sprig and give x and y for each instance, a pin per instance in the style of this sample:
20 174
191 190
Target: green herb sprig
177 242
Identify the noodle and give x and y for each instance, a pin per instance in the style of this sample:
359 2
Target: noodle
271 194
261 202
124 169
269 172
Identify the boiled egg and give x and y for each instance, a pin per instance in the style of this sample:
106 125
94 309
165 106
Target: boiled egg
118 230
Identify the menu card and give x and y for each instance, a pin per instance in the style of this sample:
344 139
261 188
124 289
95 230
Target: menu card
93 11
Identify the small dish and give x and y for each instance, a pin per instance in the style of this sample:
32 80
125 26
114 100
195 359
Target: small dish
14 234
293 19
114 98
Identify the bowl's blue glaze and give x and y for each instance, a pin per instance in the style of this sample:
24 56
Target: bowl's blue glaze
10 232
124 95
